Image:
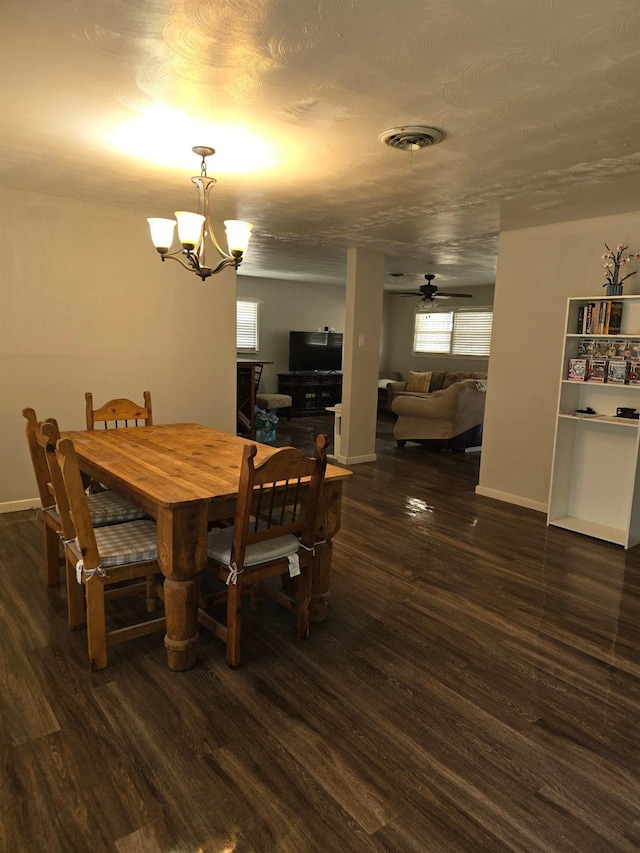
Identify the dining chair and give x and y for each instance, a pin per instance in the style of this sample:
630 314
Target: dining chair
51 523
105 556
273 535
105 508
119 412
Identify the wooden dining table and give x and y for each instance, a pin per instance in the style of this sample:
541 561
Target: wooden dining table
186 476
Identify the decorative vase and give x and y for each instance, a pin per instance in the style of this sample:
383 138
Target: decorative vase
614 290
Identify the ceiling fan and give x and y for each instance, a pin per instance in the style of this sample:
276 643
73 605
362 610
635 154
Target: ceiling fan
429 290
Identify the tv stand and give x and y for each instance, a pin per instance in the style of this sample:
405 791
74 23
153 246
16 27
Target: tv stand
311 391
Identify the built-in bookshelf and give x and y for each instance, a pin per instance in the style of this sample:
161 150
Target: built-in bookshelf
595 479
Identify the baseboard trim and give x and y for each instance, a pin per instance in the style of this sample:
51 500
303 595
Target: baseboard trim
19 506
353 460
507 497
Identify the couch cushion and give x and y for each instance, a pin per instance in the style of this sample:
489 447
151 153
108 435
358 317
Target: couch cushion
418 381
453 377
437 380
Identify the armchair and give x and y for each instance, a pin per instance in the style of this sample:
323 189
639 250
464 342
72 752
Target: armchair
452 416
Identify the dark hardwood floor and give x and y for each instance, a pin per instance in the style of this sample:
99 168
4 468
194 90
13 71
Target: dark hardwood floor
475 688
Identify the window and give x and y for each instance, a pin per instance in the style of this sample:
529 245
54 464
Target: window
458 332
247 325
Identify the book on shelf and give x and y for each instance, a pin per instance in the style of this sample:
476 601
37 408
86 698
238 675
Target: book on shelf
617 371
600 318
577 370
614 323
597 371
589 310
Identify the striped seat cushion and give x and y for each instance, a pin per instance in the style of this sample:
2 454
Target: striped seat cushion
135 542
111 508
219 548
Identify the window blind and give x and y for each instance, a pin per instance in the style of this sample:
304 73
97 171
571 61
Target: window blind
247 326
433 331
472 333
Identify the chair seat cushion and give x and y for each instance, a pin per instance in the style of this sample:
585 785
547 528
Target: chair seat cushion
111 508
219 548
135 542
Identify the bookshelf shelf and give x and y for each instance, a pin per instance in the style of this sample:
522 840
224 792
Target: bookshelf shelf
595 478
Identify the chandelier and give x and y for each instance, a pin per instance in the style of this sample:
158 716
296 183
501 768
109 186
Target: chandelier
193 229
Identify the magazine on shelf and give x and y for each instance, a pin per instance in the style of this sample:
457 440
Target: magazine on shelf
597 370
617 371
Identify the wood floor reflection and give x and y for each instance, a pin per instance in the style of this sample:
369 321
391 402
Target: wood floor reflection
475 688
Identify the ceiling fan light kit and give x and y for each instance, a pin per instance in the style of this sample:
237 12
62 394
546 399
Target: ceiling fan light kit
193 229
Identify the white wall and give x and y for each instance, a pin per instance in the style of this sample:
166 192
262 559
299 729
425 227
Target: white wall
289 306
86 305
399 315
538 269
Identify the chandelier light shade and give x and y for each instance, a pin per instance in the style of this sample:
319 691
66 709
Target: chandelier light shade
194 228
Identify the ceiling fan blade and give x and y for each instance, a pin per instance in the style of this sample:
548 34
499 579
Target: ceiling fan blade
450 295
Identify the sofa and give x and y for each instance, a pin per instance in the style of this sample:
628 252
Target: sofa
384 378
438 379
449 417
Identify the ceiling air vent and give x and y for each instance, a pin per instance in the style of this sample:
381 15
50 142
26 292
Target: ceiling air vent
411 137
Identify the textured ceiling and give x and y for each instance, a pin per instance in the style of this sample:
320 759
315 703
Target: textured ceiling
539 100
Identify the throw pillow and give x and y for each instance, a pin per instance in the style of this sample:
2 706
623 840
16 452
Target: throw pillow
419 382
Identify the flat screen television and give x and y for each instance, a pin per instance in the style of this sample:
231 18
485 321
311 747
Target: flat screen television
310 351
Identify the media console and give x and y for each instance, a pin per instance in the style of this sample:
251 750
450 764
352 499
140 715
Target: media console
311 392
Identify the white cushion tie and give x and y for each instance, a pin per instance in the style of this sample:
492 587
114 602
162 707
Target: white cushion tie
88 573
232 577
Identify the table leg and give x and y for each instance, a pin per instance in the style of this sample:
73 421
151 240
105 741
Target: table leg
182 553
